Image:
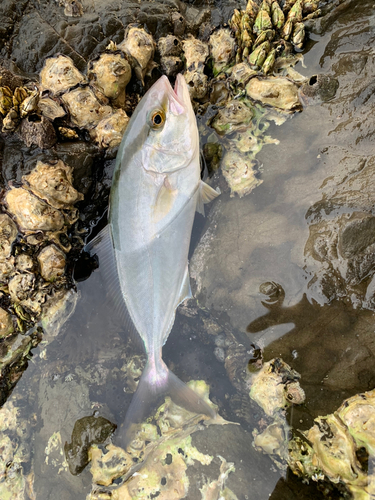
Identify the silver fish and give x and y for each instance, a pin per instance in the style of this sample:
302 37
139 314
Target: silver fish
155 192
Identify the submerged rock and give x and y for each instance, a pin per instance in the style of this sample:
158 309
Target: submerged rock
87 432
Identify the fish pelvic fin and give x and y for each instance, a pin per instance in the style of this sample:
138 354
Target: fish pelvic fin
154 385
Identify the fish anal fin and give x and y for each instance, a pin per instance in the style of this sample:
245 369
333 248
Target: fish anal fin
205 195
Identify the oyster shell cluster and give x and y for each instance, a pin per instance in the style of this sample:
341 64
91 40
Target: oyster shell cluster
66 103
34 242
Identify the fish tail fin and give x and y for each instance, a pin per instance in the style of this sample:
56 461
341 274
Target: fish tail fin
152 388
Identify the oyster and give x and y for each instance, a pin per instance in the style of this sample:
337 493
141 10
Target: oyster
236 115
222 48
169 46
31 213
239 172
6 323
179 23
275 386
52 263
21 286
240 74
84 108
59 74
50 108
279 93
165 457
110 73
140 47
72 8
53 182
8 234
334 450
196 53
109 131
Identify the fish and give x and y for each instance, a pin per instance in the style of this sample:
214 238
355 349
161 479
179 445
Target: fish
156 190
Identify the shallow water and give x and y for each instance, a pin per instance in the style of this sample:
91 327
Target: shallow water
323 328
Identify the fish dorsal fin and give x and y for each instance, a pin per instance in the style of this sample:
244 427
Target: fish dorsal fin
102 247
205 195
164 201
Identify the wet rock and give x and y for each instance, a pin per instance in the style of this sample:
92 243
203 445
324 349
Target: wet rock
32 213
59 74
280 93
38 130
318 88
87 431
52 263
53 182
339 249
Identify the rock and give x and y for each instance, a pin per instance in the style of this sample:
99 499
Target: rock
87 431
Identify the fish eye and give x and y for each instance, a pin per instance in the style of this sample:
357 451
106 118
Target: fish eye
157 119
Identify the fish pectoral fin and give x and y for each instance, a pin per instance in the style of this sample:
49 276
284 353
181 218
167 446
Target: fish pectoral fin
205 195
164 200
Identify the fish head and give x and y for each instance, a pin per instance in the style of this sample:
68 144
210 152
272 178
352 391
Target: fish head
172 140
